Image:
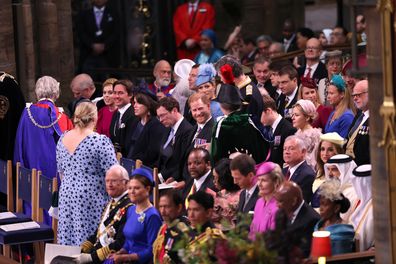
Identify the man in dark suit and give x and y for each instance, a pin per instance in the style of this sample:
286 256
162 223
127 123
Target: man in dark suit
122 122
278 129
302 218
289 36
358 145
288 85
294 151
200 173
175 142
100 244
313 68
261 73
249 50
98 32
243 170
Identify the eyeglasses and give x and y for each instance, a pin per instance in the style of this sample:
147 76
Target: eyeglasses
311 48
358 94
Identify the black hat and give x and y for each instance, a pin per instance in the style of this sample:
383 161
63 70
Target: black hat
362 170
340 158
229 94
143 89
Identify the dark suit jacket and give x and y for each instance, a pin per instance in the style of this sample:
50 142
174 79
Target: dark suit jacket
255 103
293 44
282 131
285 111
208 183
206 133
147 146
303 227
304 176
251 203
172 158
120 136
319 73
361 147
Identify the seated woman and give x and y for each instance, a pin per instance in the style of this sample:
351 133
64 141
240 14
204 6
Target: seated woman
340 167
332 204
105 114
269 178
309 91
304 112
333 66
330 144
227 199
206 85
339 97
142 224
144 144
209 53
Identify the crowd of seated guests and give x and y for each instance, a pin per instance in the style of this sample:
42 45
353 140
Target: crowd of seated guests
243 148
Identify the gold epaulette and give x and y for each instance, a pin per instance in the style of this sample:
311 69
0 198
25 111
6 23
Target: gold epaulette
86 247
183 227
249 90
103 252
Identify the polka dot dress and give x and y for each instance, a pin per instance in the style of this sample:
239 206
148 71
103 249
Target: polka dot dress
82 194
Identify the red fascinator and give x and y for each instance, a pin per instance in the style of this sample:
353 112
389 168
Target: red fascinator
226 73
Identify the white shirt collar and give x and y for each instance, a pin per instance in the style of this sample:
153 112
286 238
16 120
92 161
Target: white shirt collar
198 183
276 123
123 109
202 125
313 69
295 213
96 9
251 190
177 124
294 168
291 97
366 115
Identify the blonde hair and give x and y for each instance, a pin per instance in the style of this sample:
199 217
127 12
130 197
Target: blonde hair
86 112
109 81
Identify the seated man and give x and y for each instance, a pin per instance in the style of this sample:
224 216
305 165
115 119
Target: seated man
302 217
162 83
172 231
109 236
200 209
243 170
294 151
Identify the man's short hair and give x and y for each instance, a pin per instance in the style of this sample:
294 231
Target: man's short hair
121 171
173 195
248 41
306 32
205 152
276 66
244 164
202 198
300 143
290 71
261 60
127 84
234 62
195 97
168 103
269 103
263 38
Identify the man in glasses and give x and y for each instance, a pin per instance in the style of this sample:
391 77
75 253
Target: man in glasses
358 144
313 68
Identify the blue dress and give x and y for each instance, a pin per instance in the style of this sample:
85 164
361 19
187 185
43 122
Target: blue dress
340 125
202 58
140 232
215 110
82 193
342 237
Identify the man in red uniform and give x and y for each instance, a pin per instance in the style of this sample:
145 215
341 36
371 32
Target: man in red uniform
188 22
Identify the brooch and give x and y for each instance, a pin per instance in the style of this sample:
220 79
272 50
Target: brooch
141 217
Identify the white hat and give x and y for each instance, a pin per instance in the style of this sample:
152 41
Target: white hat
183 67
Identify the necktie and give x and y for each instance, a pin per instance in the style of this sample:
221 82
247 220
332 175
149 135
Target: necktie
308 75
196 135
170 137
98 17
247 197
287 175
356 125
286 101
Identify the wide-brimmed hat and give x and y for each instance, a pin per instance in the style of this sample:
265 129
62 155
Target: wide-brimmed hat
229 94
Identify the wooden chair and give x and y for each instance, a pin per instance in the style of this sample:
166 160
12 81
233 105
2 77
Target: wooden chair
6 185
156 190
27 188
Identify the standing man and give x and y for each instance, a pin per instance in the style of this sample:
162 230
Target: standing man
192 77
302 217
122 122
262 73
288 85
289 36
313 68
358 145
175 143
189 20
109 236
294 151
243 170
249 50
162 73
278 129
98 32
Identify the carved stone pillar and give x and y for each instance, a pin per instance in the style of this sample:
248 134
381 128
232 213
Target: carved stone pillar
7 47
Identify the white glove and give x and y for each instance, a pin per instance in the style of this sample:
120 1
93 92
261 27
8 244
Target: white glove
190 43
83 258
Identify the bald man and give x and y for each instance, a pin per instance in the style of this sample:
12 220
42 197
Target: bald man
358 145
313 68
302 217
162 84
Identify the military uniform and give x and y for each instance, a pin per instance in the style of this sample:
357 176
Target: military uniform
164 246
108 237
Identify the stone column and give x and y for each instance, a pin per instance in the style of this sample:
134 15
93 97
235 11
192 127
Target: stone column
7 47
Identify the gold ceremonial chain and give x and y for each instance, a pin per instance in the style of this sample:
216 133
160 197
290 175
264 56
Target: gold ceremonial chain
37 124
